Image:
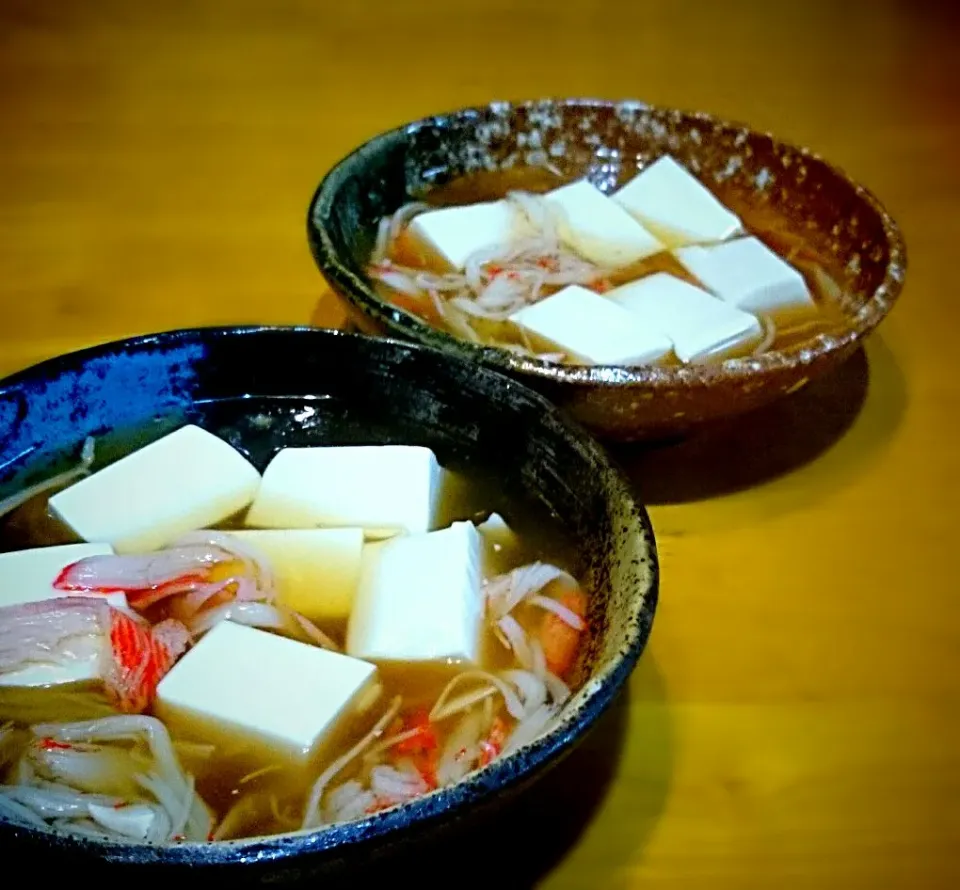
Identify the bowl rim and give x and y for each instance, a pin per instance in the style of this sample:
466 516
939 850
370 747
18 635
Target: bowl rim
361 295
581 713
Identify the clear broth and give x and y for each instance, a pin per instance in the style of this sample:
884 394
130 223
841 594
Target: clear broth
765 223
235 771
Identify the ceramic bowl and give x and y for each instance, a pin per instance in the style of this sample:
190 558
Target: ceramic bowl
858 242
265 388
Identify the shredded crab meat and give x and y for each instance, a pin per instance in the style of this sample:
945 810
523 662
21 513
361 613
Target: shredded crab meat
86 767
769 335
312 813
392 786
568 616
182 575
128 655
265 616
505 592
462 748
489 683
402 217
58 802
514 637
349 801
60 480
151 765
495 282
532 726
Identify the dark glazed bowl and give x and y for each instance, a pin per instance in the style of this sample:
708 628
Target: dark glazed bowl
264 388
860 245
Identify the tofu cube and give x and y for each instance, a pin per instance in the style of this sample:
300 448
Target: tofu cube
420 599
27 576
254 687
375 486
454 233
317 569
84 666
592 329
748 274
671 202
598 228
699 325
184 481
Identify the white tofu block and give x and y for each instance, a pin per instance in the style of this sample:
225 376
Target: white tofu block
262 689
27 576
748 274
187 480
676 206
592 329
598 228
375 486
317 569
698 324
419 598
84 666
454 233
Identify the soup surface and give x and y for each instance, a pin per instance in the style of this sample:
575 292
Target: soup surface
108 755
479 301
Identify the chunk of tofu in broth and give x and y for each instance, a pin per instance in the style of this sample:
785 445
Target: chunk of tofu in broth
65 640
28 576
594 330
316 569
454 233
598 228
699 325
419 599
673 204
272 697
186 480
749 275
371 486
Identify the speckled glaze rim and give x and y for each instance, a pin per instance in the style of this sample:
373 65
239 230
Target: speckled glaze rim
578 717
361 295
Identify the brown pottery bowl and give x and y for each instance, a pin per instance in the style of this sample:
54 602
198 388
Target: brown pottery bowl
859 244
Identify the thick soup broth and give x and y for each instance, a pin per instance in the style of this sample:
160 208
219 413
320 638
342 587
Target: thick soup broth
249 788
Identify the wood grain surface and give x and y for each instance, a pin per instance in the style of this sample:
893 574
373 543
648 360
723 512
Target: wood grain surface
795 722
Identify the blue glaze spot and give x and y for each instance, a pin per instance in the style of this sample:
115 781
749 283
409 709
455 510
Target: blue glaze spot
88 394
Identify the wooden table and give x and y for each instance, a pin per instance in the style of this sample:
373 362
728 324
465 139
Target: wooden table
795 722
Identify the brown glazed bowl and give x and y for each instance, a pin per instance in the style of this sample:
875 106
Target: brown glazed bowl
859 243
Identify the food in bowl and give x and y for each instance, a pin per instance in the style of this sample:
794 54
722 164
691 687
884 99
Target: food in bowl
659 272
233 654
810 213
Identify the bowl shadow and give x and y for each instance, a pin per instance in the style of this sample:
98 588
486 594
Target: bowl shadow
551 819
743 452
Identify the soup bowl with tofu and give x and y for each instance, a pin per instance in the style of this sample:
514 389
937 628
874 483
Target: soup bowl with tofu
276 601
647 269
